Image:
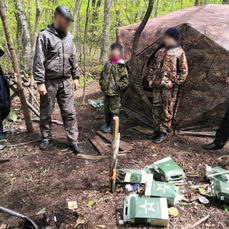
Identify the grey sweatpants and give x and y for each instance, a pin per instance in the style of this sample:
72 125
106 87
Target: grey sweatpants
61 89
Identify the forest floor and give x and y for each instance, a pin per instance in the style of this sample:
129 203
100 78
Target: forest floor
33 180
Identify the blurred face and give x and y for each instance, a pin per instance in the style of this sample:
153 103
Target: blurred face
61 23
115 53
169 41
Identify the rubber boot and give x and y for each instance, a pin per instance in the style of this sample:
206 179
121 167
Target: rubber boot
107 122
109 129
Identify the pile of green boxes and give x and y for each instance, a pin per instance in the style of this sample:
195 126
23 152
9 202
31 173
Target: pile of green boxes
160 192
220 185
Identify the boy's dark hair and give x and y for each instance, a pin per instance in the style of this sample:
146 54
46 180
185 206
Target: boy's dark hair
116 46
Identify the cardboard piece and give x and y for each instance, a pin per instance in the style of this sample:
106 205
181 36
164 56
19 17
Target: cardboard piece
133 176
168 170
153 211
161 189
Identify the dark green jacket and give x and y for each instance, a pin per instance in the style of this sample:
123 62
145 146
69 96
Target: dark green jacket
114 78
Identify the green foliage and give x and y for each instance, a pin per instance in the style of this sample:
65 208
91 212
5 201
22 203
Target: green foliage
13 116
90 203
123 13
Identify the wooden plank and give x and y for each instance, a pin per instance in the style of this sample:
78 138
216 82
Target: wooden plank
143 130
99 144
122 146
196 133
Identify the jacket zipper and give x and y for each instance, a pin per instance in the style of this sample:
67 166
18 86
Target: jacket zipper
108 86
63 57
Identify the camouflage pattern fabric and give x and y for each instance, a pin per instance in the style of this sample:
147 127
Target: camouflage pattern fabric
62 90
114 78
55 56
164 101
112 104
169 64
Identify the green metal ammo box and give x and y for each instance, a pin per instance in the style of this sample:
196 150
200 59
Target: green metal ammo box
153 211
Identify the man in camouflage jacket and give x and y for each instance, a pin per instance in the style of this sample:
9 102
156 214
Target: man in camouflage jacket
55 62
168 70
113 81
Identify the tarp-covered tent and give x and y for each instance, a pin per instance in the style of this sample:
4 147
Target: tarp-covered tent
203 98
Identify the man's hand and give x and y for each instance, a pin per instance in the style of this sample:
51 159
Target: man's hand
227 81
42 89
75 84
150 83
168 84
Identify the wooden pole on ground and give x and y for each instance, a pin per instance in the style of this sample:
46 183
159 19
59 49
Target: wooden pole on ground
114 152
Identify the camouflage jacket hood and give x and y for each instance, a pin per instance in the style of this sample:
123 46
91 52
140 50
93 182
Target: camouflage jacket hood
114 78
169 64
55 56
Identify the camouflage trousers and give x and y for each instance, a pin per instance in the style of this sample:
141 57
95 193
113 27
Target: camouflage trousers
60 89
164 101
112 104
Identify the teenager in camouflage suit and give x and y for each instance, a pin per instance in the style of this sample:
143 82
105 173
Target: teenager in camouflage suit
168 70
113 81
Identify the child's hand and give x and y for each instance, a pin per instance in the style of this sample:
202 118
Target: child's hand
227 81
168 84
150 83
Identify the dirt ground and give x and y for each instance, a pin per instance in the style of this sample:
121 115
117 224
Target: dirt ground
33 180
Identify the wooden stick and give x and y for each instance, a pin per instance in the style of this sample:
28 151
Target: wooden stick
114 152
33 97
197 223
23 143
3 160
96 158
196 133
52 121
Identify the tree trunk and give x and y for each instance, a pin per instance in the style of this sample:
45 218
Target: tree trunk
196 2
118 12
106 31
137 35
36 28
182 4
24 106
172 5
74 16
225 1
26 40
190 3
157 4
84 52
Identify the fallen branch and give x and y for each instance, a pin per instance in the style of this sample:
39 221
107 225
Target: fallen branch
10 212
197 223
52 121
3 160
199 186
91 157
196 133
24 143
27 189
33 97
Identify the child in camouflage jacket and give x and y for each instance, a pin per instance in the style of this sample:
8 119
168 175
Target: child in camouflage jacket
113 81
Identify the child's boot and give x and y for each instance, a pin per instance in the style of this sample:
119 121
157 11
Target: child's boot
110 127
107 122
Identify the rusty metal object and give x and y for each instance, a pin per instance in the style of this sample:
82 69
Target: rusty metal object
205 39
